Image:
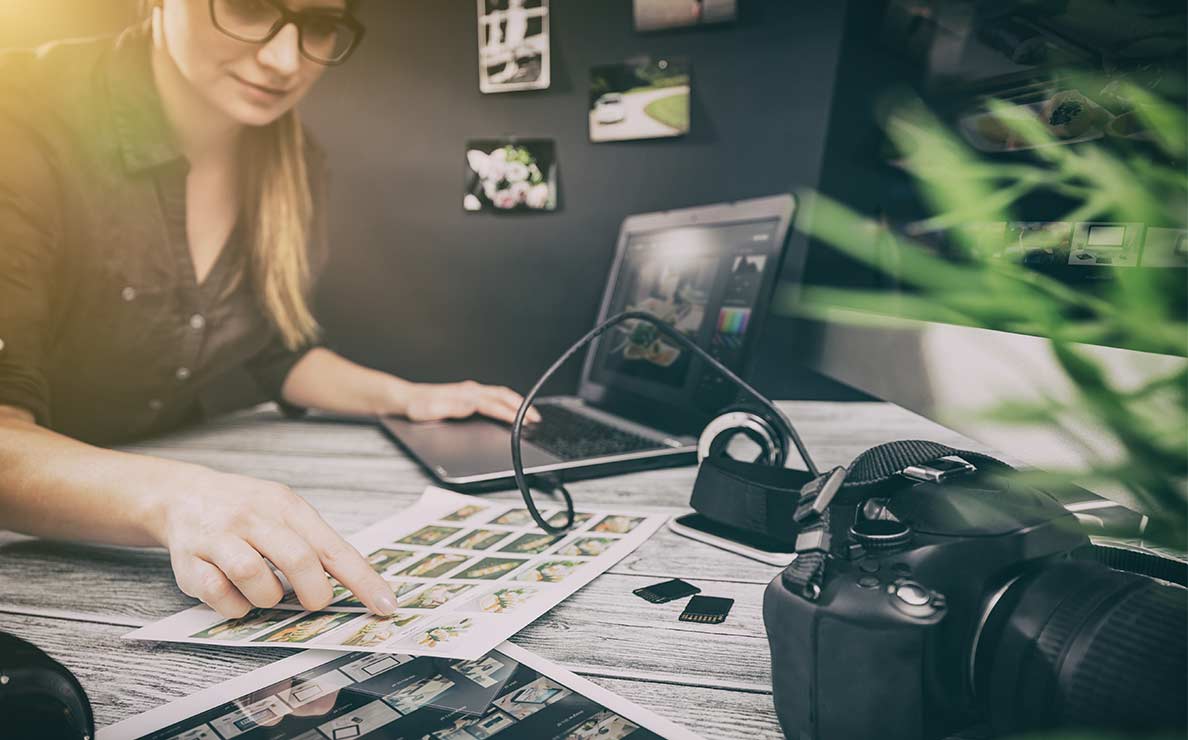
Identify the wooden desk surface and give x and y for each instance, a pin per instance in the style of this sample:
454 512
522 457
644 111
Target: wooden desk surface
75 601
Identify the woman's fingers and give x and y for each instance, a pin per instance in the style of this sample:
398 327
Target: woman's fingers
221 543
201 580
513 399
244 566
497 407
502 404
294 557
341 560
460 400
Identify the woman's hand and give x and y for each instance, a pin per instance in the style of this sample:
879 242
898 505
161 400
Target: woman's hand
433 401
324 380
221 530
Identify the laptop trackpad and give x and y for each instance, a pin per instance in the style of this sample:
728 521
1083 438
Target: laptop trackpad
458 449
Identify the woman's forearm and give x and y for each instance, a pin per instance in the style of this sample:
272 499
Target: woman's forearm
325 380
54 486
222 530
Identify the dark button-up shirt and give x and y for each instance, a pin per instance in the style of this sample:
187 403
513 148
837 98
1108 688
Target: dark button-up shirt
105 333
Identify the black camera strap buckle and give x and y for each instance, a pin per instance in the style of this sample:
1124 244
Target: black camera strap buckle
805 574
817 494
814 539
939 470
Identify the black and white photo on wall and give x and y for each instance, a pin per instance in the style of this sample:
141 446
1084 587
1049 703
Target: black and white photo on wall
640 99
659 15
508 175
513 40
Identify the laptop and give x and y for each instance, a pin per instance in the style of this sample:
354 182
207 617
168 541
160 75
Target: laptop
642 401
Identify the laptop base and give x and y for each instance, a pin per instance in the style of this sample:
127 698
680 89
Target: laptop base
538 481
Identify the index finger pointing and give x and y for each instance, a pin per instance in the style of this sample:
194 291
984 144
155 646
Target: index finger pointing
342 561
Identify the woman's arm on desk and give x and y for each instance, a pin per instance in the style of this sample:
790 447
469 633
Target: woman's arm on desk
324 380
218 527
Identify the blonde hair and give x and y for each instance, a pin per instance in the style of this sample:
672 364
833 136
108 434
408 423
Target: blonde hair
278 207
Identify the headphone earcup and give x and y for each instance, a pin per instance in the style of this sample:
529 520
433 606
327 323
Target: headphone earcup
750 423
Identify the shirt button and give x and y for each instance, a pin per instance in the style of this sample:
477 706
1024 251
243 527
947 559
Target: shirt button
197 322
183 373
128 294
156 404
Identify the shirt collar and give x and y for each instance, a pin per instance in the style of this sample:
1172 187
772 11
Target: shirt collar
145 136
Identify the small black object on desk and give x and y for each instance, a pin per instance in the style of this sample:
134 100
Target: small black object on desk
39 697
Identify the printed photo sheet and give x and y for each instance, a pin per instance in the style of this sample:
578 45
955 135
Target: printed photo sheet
319 695
467 573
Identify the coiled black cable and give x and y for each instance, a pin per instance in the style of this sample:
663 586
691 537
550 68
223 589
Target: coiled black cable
556 485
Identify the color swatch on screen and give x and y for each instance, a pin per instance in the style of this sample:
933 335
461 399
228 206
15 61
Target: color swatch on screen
733 320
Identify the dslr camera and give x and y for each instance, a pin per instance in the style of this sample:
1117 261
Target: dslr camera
952 597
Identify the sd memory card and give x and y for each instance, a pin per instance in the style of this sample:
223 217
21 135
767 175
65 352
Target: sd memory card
707 609
658 593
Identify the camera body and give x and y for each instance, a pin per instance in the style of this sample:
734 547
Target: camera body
887 649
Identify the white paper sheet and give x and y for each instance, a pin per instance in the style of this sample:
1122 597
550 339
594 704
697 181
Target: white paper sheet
468 573
320 695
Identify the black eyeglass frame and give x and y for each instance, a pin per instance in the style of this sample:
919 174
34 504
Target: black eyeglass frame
297 19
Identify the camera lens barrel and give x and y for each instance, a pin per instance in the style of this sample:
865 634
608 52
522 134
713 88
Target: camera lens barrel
1076 644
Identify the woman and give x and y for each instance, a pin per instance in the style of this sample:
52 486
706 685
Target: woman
161 216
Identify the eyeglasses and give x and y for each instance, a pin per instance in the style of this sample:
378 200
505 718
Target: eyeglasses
326 36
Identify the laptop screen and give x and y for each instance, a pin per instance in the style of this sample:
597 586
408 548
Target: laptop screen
707 281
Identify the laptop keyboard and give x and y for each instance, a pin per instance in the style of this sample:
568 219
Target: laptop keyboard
573 436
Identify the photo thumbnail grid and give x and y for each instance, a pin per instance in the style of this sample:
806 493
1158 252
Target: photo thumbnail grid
466 575
499 548
448 576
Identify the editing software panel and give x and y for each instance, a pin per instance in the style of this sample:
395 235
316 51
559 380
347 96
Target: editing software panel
706 282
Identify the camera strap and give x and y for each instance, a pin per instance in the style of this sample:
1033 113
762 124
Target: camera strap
870 471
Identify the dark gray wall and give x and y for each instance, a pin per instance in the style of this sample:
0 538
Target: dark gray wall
419 287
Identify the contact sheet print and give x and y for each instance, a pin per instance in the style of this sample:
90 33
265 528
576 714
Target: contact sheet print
317 695
467 573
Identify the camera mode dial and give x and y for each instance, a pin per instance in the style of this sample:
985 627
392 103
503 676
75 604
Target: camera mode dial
880 534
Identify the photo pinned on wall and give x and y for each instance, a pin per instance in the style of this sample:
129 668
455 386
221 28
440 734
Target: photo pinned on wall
640 99
513 40
661 15
509 175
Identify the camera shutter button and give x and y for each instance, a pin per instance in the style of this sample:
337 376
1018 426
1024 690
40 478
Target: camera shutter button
913 594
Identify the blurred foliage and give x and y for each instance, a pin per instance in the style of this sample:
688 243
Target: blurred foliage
1140 309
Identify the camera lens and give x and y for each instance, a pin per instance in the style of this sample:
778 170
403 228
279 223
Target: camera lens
1076 644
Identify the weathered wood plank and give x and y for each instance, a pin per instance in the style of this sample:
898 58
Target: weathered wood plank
596 626
123 678
106 581
826 427
358 457
714 676
739 715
